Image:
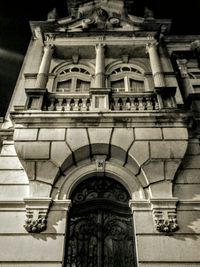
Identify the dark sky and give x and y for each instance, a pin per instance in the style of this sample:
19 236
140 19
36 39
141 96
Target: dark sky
15 33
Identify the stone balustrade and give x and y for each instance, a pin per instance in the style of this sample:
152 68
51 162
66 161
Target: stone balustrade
134 102
117 102
69 102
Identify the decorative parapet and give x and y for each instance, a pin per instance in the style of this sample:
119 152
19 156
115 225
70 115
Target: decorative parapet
164 214
36 213
100 100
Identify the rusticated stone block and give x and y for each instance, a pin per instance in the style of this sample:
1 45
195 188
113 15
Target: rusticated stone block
61 154
46 171
79 143
188 176
120 143
99 139
10 163
168 149
33 150
171 168
139 152
191 162
51 134
39 189
148 133
154 171
25 134
175 133
161 189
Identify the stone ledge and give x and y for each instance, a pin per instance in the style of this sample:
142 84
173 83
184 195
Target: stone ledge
171 118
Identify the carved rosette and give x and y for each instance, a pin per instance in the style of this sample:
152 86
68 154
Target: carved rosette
164 214
36 213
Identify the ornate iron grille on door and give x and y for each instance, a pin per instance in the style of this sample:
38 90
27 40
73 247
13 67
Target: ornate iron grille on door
100 232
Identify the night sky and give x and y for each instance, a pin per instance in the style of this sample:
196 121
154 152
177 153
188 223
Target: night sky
15 32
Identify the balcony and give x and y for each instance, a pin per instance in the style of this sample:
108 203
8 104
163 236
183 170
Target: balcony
126 101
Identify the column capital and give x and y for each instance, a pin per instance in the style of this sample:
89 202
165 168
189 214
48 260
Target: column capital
152 44
100 46
48 47
195 45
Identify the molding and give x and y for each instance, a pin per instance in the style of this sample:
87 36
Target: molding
188 205
48 119
139 205
12 206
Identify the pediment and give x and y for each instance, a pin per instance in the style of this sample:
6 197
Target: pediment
102 19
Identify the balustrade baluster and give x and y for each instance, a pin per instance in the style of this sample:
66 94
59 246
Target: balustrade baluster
141 105
58 105
51 106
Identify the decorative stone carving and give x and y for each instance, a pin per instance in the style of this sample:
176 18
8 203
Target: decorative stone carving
164 214
36 213
36 226
100 163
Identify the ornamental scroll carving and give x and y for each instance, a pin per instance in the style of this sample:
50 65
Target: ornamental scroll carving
164 215
36 213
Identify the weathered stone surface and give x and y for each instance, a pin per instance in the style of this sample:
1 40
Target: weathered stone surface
142 178
51 134
10 163
139 152
13 246
46 171
25 134
14 192
39 189
120 142
154 171
33 150
188 176
79 143
170 169
161 189
191 162
8 150
99 140
61 154
56 222
175 133
30 168
168 149
193 147
144 222
13 177
122 137
187 191
148 133
190 224
167 247
12 222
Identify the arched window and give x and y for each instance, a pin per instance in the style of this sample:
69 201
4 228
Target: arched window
126 77
73 78
100 227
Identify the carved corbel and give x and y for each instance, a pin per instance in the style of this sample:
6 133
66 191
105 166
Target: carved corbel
36 213
164 215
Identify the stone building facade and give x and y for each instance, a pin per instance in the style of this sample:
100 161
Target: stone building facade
100 150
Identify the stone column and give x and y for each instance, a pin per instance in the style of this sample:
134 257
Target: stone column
100 66
195 46
182 65
155 63
43 73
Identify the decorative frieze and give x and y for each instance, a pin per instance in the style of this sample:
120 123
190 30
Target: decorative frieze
164 214
36 213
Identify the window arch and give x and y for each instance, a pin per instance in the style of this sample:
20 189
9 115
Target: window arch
73 78
100 231
126 77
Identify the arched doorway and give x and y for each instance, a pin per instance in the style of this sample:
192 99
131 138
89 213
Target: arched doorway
100 227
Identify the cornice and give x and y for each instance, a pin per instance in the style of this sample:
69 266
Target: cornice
48 119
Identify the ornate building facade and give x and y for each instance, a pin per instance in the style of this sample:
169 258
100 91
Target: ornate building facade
100 151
